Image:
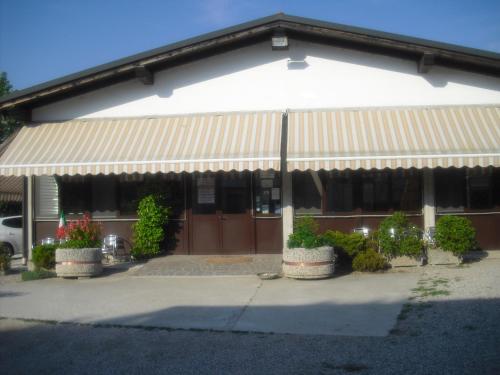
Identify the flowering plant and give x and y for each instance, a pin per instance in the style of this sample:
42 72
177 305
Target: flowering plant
80 233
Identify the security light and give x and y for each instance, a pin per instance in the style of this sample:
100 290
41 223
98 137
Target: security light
279 41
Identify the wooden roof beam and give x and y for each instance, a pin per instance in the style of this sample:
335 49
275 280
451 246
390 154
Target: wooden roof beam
426 62
144 75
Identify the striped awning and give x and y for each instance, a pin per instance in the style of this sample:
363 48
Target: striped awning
200 142
454 136
11 189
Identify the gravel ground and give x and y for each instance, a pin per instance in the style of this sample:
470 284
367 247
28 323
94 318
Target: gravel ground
451 325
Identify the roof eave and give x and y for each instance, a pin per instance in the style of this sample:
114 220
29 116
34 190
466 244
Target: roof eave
445 53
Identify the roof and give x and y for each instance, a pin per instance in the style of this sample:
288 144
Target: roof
233 37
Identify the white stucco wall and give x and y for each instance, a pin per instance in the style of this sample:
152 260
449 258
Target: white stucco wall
256 78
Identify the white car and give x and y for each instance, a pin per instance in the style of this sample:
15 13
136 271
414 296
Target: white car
11 233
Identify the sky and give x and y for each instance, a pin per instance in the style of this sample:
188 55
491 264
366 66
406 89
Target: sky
42 40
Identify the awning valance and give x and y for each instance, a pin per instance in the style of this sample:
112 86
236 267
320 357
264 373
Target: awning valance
454 136
200 142
11 189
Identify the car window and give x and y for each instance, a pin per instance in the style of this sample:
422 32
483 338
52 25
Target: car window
15 222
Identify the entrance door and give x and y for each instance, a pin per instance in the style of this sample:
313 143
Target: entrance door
221 218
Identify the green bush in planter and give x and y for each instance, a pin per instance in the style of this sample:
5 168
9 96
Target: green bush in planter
398 237
4 258
368 261
455 234
350 244
149 230
44 256
305 234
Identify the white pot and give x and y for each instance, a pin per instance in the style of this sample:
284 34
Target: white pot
86 262
315 263
438 256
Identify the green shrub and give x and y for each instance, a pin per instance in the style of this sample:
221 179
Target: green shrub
305 234
368 260
455 234
44 256
149 230
4 258
37 275
350 244
398 237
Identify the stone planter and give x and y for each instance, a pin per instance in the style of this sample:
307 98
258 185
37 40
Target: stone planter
316 263
405 261
438 256
81 263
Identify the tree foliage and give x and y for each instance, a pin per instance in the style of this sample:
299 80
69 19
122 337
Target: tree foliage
7 123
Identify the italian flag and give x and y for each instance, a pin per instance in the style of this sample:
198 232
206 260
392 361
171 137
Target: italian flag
62 220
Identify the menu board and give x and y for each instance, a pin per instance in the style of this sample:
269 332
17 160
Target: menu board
206 189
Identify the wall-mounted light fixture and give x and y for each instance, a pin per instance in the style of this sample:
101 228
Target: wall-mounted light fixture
279 41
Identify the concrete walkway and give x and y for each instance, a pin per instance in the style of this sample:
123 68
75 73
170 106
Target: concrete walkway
355 304
211 265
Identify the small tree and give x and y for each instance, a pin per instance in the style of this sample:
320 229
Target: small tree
398 237
149 230
455 234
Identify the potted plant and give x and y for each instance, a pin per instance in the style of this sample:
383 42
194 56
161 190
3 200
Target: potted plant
4 259
454 237
79 253
307 257
400 241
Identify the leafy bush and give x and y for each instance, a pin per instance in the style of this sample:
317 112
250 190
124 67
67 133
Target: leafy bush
397 237
455 234
4 258
37 275
44 256
351 244
149 230
369 260
305 234
81 234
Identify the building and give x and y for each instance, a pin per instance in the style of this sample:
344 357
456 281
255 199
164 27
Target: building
244 128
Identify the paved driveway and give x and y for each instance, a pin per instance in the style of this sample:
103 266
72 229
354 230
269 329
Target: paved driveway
355 304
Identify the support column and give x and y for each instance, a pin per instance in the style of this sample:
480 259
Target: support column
28 208
287 214
429 199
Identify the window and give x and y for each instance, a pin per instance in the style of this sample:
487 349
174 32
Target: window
340 192
15 222
375 191
450 189
356 192
307 192
106 196
46 197
267 193
406 190
169 187
75 193
458 190
479 192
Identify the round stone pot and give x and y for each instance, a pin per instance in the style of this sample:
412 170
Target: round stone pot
78 262
316 263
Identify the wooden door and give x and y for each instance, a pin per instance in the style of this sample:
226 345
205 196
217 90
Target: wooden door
237 232
205 218
221 214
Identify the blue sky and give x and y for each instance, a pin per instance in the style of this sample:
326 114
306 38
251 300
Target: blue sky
45 39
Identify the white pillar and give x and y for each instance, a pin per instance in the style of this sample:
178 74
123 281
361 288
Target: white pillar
287 214
429 199
28 220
